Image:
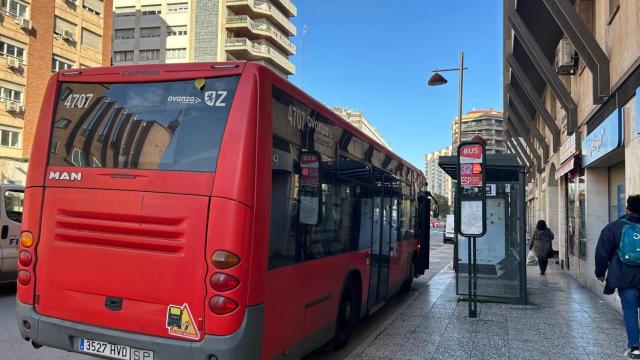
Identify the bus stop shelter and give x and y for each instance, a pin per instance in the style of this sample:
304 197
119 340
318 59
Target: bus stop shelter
502 251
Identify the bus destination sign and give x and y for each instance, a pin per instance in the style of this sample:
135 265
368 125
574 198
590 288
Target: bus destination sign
471 190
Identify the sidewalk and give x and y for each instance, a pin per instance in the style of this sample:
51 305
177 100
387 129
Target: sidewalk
563 321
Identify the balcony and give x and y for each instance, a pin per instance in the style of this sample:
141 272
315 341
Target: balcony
288 7
258 9
243 26
243 48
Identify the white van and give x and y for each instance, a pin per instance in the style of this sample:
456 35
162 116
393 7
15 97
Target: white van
449 230
12 198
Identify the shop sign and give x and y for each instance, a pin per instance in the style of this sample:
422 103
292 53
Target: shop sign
565 168
568 148
603 140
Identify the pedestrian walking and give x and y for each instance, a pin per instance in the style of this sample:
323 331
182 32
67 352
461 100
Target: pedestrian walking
541 244
618 256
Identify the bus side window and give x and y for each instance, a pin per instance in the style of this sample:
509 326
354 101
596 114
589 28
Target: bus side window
13 200
282 244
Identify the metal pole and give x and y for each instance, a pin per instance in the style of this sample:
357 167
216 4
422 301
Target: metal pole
474 299
304 32
460 97
470 276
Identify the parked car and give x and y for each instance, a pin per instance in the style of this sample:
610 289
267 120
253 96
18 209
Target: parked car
12 198
449 231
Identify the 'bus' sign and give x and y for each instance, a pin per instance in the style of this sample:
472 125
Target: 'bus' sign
471 188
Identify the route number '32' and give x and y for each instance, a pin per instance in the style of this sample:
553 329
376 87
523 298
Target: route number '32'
79 101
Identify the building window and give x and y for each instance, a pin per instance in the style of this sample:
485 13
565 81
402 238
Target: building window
123 11
177 8
7 93
78 158
10 138
60 25
11 50
91 40
62 123
151 54
177 30
93 6
151 10
149 32
59 64
14 8
119 56
173 54
122 34
54 146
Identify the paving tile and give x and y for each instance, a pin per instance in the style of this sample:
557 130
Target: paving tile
564 321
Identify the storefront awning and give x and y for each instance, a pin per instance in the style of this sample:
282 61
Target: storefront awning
566 167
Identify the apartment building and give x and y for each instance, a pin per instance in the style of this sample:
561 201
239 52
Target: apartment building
358 119
170 31
572 73
36 39
486 123
439 182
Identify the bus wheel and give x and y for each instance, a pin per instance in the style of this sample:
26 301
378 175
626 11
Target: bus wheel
347 315
406 285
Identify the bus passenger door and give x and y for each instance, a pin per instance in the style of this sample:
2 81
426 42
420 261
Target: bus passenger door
424 233
380 242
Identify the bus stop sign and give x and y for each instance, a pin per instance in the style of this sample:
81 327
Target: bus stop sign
471 217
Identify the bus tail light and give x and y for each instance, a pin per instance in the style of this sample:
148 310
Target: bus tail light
26 240
24 277
223 282
222 305
224 260
25 258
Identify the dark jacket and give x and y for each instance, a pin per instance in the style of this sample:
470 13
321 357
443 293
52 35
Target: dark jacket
619 274
541 242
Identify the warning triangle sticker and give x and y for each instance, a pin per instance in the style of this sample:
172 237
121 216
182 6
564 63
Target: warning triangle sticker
180 322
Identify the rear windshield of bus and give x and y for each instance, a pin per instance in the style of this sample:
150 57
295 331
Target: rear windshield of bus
176 125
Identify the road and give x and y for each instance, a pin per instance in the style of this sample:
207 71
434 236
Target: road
13 347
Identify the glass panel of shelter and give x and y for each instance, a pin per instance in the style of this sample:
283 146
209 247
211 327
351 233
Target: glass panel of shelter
498 252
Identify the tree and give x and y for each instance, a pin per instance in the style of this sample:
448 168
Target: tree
444 205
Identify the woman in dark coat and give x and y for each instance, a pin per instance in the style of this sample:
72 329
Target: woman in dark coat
541 244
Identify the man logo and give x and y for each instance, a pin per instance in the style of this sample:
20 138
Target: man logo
57 175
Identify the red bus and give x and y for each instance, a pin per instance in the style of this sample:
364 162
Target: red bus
208 211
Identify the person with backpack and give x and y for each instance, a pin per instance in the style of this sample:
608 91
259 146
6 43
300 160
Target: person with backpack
618 256
541 244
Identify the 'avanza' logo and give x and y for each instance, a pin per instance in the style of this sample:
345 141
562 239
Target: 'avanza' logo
58 175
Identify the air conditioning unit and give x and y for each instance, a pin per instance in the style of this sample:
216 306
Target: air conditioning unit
68 35
13 63
24 23
566 58
12 106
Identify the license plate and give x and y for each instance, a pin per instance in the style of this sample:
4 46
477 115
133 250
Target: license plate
113 351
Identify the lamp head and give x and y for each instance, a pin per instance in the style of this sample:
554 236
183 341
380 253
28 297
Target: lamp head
436 80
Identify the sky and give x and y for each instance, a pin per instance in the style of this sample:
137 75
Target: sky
376 56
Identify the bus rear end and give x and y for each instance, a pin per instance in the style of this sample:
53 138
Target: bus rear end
137 231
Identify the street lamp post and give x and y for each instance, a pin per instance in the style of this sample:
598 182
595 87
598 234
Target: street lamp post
437 79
